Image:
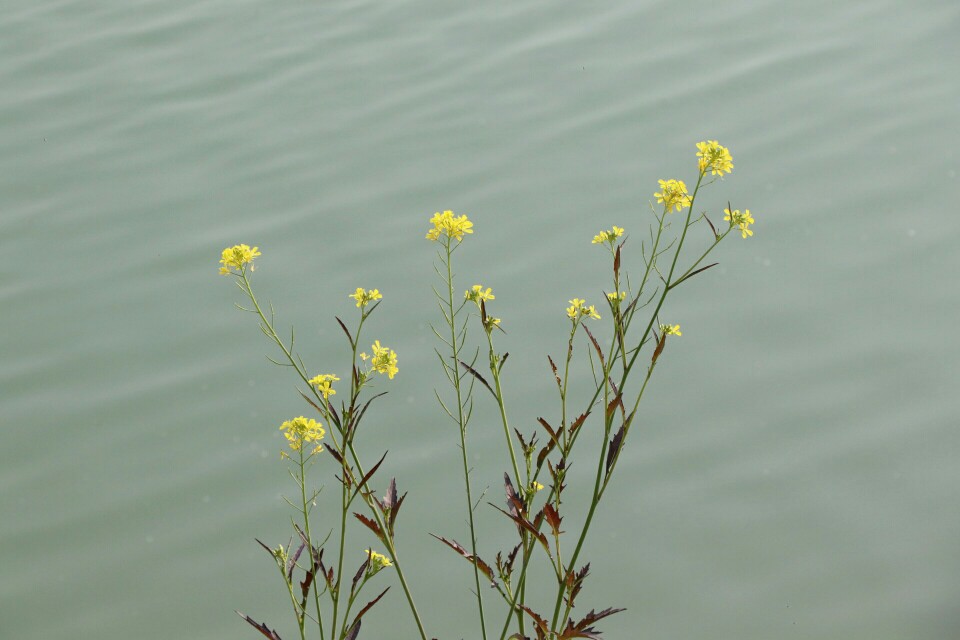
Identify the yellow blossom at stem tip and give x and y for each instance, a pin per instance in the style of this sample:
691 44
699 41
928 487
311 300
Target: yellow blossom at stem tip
673 194
236 256
608 237
323 384
384 360
578 309
449 225
741 220
303 430
364 297
670 330
714 157
378 561
477 294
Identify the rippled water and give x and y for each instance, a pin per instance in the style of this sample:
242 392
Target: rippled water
796 473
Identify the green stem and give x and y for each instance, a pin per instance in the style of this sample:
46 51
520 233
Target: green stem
455 368
271 332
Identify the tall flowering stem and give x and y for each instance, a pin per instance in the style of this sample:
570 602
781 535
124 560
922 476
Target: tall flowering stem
449 230
234 263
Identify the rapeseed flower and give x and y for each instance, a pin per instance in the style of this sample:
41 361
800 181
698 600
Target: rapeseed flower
300 431
323 383
714 157
673 194
477 294
742 220
578 310
616 298
670 330
236 256
378 561
364 297
608 237
383 360
449 225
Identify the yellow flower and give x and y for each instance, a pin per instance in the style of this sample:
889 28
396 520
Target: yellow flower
608 236
378 561
476 294
714 158
364 297
492 322
323 384
301 430
449 225
617 298
536 486
236 256
673 193
742 220
670 330
578 309
384 360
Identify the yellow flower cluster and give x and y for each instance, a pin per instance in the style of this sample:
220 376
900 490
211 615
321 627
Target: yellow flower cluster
236 256
742 220
578 309
364 297
608 237
449 225
714 157
670 330
323 383
536 486
300 431
378 561
476 294
673 194
616 298
383 360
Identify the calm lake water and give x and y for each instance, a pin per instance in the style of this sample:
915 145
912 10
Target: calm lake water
795 471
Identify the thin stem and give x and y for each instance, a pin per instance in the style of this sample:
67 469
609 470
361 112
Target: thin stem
455 379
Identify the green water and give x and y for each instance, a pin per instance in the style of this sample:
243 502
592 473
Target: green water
795 472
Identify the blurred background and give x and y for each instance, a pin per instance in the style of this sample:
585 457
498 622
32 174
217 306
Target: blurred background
794 471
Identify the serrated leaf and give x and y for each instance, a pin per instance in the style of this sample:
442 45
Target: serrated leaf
553 518
262 628
373 526
472 559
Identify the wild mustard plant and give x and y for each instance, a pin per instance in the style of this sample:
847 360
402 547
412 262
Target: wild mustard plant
538 511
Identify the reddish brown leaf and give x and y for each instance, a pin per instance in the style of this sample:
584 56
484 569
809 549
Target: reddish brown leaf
373 470
614 449
354 630
359 574
262 628
373 526
345 330
656 352
541 626
578 422
472 559
356 621
479 377
555 374
550 430
553 518
612 406
596 346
